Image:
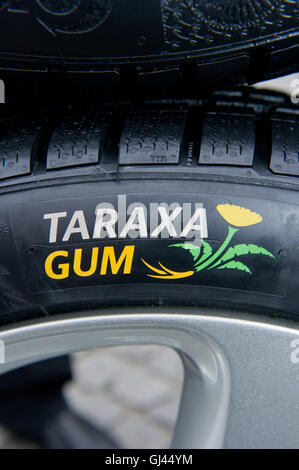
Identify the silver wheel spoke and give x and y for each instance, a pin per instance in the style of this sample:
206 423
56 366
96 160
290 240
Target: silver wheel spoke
241 385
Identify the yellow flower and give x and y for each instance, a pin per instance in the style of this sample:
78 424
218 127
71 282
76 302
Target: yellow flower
238 216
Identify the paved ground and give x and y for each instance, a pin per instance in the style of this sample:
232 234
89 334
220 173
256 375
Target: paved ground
132 391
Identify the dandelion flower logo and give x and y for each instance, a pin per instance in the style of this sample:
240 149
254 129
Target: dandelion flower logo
225 257
238 216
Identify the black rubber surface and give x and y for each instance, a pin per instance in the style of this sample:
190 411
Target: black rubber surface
127 47
236 152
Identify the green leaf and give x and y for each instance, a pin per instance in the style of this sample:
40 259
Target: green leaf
240 250
207 252
194 250
236 265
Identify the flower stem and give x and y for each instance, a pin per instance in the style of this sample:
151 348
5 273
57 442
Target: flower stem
231 233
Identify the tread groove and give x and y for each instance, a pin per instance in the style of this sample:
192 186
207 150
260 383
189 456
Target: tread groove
158 139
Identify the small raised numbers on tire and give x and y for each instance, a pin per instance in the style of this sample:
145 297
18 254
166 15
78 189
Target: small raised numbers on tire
152 137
